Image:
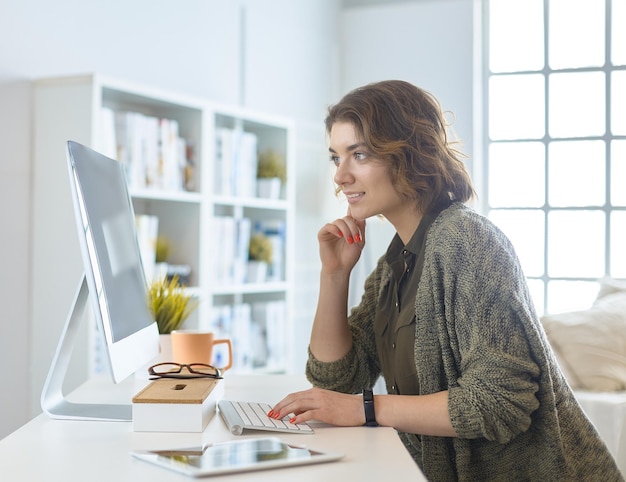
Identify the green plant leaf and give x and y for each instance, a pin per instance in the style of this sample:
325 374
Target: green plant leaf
169 303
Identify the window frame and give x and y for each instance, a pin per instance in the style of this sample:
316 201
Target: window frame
482 171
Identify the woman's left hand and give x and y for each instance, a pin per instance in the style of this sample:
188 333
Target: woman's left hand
324 405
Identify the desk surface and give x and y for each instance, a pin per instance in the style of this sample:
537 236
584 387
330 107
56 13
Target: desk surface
47 449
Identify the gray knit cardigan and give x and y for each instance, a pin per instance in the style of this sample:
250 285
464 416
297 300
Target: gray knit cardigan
478 336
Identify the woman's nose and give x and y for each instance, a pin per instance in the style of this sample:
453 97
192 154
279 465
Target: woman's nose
342 173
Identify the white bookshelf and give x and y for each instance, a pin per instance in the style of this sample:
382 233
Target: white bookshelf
71 108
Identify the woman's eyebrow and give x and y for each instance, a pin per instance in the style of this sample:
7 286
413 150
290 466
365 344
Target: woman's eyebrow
351 147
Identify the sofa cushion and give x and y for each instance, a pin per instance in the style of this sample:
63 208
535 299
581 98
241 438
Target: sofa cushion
590 345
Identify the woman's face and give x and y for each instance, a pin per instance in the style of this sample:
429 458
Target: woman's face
364 180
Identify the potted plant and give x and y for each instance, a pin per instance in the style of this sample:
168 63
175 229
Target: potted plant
170 306
259 258
271 174
169 303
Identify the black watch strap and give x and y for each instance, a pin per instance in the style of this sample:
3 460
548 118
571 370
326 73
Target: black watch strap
368 405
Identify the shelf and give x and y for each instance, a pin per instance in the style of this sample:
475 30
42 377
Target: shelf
251 288
99 112
251 202
158 195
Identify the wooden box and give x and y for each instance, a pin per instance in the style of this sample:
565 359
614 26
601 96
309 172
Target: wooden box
174 405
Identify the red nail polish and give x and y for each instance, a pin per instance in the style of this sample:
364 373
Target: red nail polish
270 414
339 233
350 240
357 237
292 420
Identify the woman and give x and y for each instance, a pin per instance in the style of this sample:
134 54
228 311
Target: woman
473 387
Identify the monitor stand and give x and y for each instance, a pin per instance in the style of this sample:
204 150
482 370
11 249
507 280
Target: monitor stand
53 402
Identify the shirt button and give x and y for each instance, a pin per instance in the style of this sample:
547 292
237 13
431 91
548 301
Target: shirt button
393 345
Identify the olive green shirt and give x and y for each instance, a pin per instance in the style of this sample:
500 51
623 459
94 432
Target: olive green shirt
394 324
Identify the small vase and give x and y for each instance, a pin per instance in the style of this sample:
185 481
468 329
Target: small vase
268 187
257 272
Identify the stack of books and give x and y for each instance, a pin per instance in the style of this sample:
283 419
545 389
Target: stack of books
152 150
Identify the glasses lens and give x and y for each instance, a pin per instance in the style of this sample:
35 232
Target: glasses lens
203 369
165 368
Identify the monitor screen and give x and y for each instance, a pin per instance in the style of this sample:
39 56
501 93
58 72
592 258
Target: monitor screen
106 228
114 282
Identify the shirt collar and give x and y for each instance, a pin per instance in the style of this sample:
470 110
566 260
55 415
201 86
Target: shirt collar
396 247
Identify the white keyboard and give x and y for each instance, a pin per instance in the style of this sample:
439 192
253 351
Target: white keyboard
240 416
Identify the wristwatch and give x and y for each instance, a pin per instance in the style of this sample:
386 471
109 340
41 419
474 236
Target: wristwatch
368 405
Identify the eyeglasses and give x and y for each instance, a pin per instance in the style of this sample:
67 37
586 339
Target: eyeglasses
175 370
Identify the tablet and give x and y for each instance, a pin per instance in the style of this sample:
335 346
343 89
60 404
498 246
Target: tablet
242 455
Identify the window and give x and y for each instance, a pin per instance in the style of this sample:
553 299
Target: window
555 137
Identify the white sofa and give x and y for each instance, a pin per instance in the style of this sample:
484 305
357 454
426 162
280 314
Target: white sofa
590 346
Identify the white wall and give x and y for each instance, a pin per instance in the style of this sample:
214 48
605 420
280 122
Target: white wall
293 58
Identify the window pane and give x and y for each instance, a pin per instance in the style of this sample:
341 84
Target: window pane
618 102
576 244
526 230
618 44
535 286
516 174
618 173
577 104
618 244
516 107
564 296
576 173
576 33
515 35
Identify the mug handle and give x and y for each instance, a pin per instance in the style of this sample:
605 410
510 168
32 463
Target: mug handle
230 352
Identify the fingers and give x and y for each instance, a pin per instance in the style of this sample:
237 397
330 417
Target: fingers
359 224
296 403
348 228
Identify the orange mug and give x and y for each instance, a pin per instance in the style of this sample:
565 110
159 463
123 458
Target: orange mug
193 346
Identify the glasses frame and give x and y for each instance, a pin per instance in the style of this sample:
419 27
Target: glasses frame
177 374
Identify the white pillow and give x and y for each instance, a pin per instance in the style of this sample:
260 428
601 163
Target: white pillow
590 345
609 286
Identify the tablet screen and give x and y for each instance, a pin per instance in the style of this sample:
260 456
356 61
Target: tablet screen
236 456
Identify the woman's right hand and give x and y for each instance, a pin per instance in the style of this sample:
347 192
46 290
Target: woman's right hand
341 243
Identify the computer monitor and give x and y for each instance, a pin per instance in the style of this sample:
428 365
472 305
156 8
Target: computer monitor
113 282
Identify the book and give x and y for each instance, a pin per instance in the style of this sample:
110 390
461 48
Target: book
224 180
176 405
147 227
235 162
245 165
271 317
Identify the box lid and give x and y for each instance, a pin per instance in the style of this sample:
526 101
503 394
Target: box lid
170 390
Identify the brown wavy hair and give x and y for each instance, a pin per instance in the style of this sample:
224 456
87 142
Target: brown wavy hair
404 127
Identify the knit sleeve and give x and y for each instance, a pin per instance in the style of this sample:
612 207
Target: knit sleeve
359 368
486 314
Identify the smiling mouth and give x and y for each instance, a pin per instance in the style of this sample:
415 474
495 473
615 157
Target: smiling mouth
354 196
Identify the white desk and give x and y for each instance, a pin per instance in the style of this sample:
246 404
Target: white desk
47 449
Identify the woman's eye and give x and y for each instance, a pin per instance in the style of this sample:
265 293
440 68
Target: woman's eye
334 160
359 156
